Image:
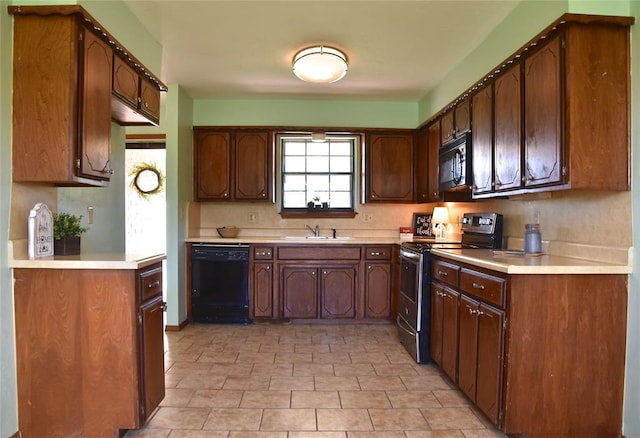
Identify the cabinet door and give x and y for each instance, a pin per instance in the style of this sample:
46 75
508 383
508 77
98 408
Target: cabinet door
95 111
253 152
299 292
468 346
490 361
507 128
482 140
377 280
338 292
450 333
447 127
263 290
212 160
389 167
150 100
126 83
462 118
434 163
152 355
543 115
437 309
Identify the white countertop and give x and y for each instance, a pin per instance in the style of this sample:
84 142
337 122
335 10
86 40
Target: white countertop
18 258
298 240
541 264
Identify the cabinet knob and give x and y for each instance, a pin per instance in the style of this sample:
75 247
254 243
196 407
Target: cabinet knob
154 284
164 306
471 311
268 268
442 273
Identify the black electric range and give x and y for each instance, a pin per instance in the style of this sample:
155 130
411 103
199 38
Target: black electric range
480 230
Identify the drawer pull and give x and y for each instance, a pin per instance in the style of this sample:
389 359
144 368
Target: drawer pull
478 285
442 273
376 254
154 284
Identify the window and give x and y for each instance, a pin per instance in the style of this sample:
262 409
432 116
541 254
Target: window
317 176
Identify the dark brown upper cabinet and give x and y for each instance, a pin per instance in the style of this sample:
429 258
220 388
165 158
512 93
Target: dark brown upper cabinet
62 96
233 164
389 167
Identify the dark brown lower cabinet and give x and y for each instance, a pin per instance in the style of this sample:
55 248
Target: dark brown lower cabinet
480 355
539 354
89 351
319 292
377 283
152 355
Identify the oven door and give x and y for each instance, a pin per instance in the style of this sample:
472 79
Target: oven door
410 298
455 164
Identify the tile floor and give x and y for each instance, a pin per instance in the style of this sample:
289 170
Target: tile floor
304 381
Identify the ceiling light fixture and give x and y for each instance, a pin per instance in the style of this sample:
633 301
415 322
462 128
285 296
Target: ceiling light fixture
320 64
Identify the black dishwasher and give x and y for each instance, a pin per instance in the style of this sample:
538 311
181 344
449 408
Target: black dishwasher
220 283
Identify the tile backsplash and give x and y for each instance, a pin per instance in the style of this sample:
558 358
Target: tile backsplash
599 218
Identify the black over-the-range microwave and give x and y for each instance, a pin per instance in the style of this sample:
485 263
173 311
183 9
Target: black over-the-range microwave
455 164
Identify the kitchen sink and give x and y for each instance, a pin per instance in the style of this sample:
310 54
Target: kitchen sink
328 238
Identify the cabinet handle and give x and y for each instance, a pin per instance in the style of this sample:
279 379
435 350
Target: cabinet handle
324 272
154 284
164 306
440 294
376 254
442 273
406 311
478 285
268 268
471 311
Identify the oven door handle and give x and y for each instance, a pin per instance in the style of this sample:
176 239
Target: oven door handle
409 255
401 325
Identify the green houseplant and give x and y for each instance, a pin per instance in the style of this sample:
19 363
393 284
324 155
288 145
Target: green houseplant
66 234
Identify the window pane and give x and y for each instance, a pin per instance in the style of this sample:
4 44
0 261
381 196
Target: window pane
294 148
341 148
340 164
341 182
294 183
294 200
317 164
294 164
318 148
340 200
317 183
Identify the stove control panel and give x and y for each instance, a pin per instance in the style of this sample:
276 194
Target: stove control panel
482 223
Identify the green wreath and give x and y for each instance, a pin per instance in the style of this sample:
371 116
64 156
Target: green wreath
147 180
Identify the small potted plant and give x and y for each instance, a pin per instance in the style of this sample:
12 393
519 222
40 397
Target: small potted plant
66 234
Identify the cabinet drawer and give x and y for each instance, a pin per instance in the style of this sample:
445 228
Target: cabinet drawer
378 252
150 283
483 286
445 272
263 253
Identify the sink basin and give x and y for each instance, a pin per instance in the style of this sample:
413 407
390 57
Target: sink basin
315 238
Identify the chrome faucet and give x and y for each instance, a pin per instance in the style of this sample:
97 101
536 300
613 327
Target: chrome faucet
315 231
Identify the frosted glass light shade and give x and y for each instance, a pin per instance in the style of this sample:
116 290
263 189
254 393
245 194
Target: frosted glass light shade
320 64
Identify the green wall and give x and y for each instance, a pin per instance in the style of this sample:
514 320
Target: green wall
8 408
325 113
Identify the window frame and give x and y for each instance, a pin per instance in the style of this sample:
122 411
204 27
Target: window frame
356 140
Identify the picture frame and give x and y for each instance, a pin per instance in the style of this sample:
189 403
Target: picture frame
422 226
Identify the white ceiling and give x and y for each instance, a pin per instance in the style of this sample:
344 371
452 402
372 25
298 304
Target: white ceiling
397 50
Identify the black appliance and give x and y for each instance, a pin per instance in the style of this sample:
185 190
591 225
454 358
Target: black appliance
455 164
220 283
480 230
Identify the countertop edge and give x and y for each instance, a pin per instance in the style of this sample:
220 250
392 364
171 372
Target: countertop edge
18 259
545 264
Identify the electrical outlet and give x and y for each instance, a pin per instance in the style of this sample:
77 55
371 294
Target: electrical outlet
253 217
89 214
367 218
